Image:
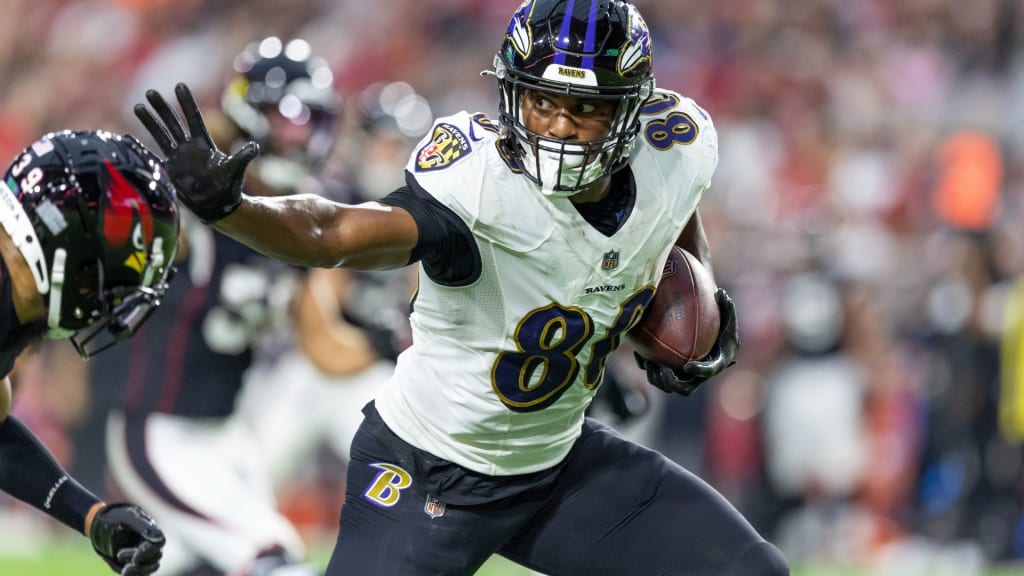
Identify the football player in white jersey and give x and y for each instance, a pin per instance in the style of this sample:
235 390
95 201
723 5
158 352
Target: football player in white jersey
541 239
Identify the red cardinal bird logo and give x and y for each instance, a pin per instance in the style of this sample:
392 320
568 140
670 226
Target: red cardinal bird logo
127 218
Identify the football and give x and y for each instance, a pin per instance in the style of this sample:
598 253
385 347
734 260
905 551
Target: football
681 323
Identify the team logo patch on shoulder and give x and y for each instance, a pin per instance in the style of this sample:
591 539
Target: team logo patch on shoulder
446 146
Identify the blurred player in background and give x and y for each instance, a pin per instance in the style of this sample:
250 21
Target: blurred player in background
478 444
89 231
177 445
815 436
348 326
282 96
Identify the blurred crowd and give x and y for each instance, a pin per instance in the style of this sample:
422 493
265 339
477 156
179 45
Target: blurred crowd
865 216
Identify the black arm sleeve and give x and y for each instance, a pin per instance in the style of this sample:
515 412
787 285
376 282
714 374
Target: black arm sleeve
29 473
446 246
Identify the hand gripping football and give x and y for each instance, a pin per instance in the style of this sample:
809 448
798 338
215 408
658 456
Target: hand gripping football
681 323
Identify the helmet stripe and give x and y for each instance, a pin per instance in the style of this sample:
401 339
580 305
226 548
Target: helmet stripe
588 43
563 34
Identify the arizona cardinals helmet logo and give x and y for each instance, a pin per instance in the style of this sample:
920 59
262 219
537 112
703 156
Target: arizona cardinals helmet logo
127 219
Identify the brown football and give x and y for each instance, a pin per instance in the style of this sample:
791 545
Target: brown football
681 323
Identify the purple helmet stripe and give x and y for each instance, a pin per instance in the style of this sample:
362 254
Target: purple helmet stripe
563 34
588 43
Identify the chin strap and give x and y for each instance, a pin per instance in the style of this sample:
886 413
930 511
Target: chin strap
60 257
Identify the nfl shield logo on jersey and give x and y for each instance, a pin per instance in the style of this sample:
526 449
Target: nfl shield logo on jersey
610 260
433 507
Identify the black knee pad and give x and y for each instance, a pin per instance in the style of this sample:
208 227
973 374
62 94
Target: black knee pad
761 559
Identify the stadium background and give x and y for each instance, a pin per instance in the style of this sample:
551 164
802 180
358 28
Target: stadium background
865 216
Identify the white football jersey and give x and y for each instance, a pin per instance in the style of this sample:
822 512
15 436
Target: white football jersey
501 370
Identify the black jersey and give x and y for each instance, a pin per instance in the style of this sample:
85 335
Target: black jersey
189 358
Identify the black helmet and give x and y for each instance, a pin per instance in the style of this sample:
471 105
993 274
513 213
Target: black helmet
289 78
598 49
93 214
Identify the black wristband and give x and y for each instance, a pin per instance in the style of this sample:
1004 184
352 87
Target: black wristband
29 473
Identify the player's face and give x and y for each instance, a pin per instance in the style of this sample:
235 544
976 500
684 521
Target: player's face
564 117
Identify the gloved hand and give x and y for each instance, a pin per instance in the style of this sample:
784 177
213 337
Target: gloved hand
723 354
208 181
127 539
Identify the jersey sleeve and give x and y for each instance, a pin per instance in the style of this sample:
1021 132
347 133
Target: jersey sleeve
681 139
448 165
445 246
709 145
460 165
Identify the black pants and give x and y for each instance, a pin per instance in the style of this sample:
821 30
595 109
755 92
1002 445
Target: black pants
614 508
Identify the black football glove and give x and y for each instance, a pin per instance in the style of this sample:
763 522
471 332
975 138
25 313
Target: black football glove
208 181
127 539
723 354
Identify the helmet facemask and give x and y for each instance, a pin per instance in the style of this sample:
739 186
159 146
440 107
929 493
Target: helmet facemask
122 312
103 314
548 50
561 167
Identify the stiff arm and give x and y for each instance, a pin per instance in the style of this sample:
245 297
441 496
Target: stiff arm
303 229
308 230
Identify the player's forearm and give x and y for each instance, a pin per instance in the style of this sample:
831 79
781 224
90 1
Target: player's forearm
343 352
307 230
293 229
29 473
694 241
333 345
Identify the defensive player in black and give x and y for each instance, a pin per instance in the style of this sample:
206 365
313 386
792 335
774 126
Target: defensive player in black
89 230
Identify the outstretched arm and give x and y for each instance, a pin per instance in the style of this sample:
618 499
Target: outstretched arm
303 229
308 230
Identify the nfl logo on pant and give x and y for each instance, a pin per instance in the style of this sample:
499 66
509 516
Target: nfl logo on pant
433 507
